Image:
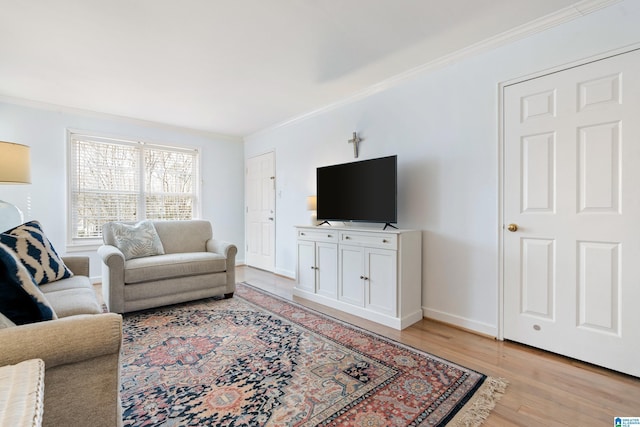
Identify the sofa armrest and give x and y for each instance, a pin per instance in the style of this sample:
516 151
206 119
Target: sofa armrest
64 341
79 265
112 277
111 256
229 250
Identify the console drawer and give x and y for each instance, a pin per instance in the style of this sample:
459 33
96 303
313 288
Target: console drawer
318 235
376 240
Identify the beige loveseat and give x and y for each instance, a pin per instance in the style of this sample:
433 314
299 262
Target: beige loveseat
80 349
194 265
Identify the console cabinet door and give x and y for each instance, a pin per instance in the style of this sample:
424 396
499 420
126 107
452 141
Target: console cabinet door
351 275
327 269
380 266
306 272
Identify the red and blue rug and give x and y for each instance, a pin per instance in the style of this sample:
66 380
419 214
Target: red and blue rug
259 360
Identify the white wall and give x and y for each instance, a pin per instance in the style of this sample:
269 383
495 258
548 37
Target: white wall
443 125
44 130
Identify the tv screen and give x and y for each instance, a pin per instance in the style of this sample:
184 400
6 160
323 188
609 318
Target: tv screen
363 191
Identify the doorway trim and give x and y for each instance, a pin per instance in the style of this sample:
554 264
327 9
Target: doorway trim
501 165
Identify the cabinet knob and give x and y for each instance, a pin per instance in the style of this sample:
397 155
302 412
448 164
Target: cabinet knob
302 234
329 235
346 237
312 267
362 277
385 241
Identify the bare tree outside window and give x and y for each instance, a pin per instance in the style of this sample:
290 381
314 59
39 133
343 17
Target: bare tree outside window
169 184
113 180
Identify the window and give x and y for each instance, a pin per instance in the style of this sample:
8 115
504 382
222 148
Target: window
118 180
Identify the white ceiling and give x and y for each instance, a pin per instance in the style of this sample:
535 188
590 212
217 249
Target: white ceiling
234 67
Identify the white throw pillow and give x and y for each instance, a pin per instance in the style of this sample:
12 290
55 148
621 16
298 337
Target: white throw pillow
137 241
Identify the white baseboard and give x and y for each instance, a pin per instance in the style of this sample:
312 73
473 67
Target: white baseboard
462 322
279 271
286 273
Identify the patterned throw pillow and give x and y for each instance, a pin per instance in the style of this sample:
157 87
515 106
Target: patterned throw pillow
36 252
137 241
21 301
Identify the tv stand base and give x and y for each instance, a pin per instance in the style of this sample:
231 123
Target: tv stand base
372 273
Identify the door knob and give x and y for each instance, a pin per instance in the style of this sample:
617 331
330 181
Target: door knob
512 227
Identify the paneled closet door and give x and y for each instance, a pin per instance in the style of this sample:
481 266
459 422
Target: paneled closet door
572 212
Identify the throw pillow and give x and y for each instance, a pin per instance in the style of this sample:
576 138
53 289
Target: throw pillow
36 252
21 301
137 241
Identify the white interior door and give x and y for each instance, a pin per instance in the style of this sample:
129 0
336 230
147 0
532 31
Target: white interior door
260 209
572 188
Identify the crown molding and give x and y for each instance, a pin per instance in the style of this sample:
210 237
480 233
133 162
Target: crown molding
555 19
98 115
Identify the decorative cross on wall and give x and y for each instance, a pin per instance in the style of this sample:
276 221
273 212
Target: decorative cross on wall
355 141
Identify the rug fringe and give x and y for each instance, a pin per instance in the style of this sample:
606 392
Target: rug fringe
476 411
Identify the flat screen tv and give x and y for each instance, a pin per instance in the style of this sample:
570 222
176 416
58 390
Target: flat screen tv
364 191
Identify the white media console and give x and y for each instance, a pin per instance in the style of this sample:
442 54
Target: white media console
374 274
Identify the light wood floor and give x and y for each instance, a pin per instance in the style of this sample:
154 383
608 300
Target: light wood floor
544 389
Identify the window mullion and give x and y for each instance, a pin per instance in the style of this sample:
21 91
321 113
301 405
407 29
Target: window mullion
142 205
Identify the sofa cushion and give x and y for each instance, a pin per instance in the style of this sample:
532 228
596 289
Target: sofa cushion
137 240
75 282
70 302
20 299
36 252
71 296
184 236
173 265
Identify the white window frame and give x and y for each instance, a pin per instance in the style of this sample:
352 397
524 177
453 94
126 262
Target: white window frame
76 244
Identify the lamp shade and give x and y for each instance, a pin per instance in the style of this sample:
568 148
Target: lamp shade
311 203
14 163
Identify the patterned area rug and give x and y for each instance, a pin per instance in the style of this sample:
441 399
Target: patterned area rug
258 360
